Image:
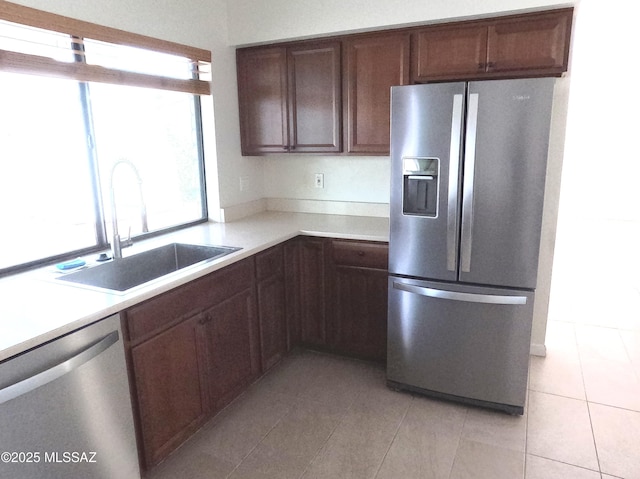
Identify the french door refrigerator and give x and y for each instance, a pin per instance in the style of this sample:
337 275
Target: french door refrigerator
467 187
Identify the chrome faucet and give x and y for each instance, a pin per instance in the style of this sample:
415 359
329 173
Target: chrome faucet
117 244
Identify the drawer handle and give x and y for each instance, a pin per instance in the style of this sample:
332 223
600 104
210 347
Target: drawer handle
361 253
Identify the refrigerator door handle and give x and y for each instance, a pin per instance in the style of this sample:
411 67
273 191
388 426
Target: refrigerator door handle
467 187
454 173
458 296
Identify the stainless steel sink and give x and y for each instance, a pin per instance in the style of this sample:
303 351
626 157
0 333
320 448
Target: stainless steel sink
120 275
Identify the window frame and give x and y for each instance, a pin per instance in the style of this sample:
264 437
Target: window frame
83 73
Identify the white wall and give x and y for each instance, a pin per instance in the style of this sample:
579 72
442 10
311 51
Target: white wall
256 21
601 173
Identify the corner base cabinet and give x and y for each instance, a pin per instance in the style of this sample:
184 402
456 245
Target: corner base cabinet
193 349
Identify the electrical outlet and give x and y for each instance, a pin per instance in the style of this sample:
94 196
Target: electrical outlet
244 183
319 181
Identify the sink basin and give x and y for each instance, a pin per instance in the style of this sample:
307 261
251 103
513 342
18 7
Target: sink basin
120 275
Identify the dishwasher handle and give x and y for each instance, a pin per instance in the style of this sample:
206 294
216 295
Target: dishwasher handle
40 379
458 296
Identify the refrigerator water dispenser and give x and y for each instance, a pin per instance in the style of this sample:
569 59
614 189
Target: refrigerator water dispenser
420 195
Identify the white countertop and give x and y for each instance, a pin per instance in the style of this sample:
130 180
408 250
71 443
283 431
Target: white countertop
34 308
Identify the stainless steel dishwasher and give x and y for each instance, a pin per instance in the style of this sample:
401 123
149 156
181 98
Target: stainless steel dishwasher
65 409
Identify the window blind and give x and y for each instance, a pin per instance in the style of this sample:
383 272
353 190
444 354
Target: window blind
42 43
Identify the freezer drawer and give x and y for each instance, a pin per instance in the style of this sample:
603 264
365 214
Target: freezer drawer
460 342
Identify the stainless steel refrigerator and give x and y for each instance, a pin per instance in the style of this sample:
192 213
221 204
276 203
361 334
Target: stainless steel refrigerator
467 187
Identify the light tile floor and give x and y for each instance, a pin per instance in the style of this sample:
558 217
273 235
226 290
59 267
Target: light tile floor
322 416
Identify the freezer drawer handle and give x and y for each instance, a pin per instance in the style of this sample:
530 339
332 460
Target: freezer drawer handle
27 385
457 296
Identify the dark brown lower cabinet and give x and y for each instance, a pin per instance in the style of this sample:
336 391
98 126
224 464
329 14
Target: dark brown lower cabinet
230 330
171 399
192 350
311 281
357 306
292 292
271 305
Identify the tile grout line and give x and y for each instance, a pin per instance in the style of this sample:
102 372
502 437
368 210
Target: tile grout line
453 463
296 400
567 463
395 435
321 448
584 385
636 371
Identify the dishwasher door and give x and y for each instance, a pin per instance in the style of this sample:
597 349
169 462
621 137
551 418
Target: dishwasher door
65 409
465 343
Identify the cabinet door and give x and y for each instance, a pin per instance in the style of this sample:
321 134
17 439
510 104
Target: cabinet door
312 292
315 98
262 96
358 300
374 64
169 385
448 53
231 338
536 44
359 325
271 305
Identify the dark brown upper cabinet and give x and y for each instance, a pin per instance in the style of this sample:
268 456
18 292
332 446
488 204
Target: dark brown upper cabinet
262 87
536 44
316 96
448 52
373 64
290 98
526 45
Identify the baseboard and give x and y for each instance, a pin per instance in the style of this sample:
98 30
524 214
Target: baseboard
236 212
538 350
348 208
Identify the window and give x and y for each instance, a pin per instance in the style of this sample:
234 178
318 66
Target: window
94 120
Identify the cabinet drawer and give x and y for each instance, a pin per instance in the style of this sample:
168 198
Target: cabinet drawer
270 263
158 313
355 253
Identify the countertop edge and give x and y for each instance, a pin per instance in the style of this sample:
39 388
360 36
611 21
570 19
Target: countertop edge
288 225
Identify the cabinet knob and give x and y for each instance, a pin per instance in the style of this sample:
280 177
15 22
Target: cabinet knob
360 253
